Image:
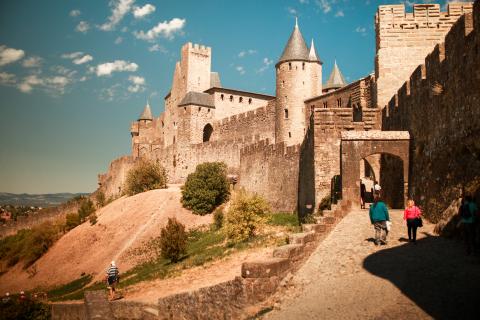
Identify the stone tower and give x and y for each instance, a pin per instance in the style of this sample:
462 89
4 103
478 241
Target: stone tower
299 74
335 81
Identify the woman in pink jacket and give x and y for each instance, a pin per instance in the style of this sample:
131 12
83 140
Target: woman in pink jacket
412 212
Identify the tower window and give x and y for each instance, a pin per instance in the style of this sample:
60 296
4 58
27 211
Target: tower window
231 98
222 97
283 83
339 102
289 66
286 113
173 139
303 65
240 99
289 134
249 100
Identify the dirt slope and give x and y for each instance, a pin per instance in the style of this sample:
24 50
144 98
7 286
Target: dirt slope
122 226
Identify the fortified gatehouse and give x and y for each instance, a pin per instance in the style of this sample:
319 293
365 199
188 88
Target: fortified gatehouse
290 146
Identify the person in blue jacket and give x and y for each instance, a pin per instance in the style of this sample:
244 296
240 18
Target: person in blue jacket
379 217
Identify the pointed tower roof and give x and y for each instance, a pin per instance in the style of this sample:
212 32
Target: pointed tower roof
296 48
147 113
336 79
313 56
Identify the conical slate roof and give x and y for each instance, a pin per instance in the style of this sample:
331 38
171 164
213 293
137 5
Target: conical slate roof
147 113
313 56
296 48
336 79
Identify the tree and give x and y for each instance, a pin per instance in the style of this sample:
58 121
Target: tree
206 188
85 210
173 240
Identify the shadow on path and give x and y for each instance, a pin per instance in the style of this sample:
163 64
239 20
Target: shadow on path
436 274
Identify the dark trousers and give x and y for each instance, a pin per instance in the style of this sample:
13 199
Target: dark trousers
469 236
412 229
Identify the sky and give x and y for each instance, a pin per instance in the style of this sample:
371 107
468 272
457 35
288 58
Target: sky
75 73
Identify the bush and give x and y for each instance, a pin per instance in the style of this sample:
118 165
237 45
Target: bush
100 199
71 221
325 204
173 240
145 176
244 216
92 218
218 218
206 188
86 209
14 309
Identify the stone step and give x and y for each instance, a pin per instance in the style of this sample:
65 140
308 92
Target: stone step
265 268
301 238
97 305
150 314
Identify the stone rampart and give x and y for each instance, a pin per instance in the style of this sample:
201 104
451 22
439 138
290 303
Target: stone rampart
440 106
404 39
271 170
111 182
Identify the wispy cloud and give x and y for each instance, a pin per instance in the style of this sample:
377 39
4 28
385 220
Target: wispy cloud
55 85
361 30
86 58
119 9
32 62
118 40
82 26
137 84
72 55
166 29
7 78
266 63
75 13
339 13
303 1
10 55
109 94
106 69
157 47
140 12
292 11
324 5
243 53
240 69
78 57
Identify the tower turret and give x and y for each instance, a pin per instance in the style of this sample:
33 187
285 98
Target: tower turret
299 74
335 81
146 114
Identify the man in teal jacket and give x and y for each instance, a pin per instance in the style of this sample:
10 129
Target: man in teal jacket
379 217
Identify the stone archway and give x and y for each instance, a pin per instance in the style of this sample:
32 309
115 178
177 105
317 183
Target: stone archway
207 132
357 145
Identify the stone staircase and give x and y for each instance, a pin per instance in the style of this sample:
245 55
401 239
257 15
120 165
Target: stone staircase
97 306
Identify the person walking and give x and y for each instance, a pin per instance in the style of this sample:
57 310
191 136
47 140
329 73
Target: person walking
412 215
378 217
112 278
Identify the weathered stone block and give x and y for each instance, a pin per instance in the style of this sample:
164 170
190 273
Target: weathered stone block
317 228
265 268
289 251
302 238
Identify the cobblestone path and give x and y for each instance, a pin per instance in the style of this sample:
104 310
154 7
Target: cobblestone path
348 277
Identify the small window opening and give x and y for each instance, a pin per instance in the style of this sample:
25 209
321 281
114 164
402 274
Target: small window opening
303 65
289 66
231 98
289 134
286 113
240 99
283 83
339 102
173 139
199 109
249 100
222 97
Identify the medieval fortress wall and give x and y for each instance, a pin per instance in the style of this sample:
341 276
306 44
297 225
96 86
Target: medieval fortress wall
440 106
287 147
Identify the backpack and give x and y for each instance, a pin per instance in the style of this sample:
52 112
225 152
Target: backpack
465 211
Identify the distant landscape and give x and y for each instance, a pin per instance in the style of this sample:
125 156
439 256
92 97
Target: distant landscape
37 200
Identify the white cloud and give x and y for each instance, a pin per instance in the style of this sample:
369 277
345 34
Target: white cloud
166 29
340 13
32 62
10 55
109 93
75 13
82 27
72 55
7 78
157 47
361 30
266 63
303 1
138 84
324 5
119 9
292 11
106 69
240 69
140 12
86 58
243 53
54 85
118 40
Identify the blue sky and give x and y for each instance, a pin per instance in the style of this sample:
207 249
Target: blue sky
74 74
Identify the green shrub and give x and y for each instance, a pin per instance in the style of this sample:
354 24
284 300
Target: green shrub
14 309
206 188
173 240
86 209
218 218
325 203
100 199
244 216
71 221
92 218
145 176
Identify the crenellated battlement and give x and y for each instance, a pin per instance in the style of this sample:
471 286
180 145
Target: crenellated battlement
248 116
197 48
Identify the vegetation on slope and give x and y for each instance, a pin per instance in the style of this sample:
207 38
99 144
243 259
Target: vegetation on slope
145 176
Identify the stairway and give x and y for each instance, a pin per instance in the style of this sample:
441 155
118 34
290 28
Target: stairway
97 305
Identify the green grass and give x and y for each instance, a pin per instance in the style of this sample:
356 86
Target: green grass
285 219
69 287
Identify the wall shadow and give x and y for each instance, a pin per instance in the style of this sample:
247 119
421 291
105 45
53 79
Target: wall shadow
306 175
436 274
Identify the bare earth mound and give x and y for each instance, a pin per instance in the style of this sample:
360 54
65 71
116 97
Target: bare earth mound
122 226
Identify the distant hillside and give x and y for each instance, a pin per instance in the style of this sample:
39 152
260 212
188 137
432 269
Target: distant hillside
38 200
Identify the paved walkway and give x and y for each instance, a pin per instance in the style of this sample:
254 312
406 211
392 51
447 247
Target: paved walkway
348 277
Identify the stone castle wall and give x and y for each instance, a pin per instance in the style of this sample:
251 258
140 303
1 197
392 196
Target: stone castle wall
112 182
404 39
440 106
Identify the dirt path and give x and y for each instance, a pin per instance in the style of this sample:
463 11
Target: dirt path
348 277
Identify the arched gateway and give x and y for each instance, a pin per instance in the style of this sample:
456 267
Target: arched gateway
357 145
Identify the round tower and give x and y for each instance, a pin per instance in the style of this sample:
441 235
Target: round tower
298 77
